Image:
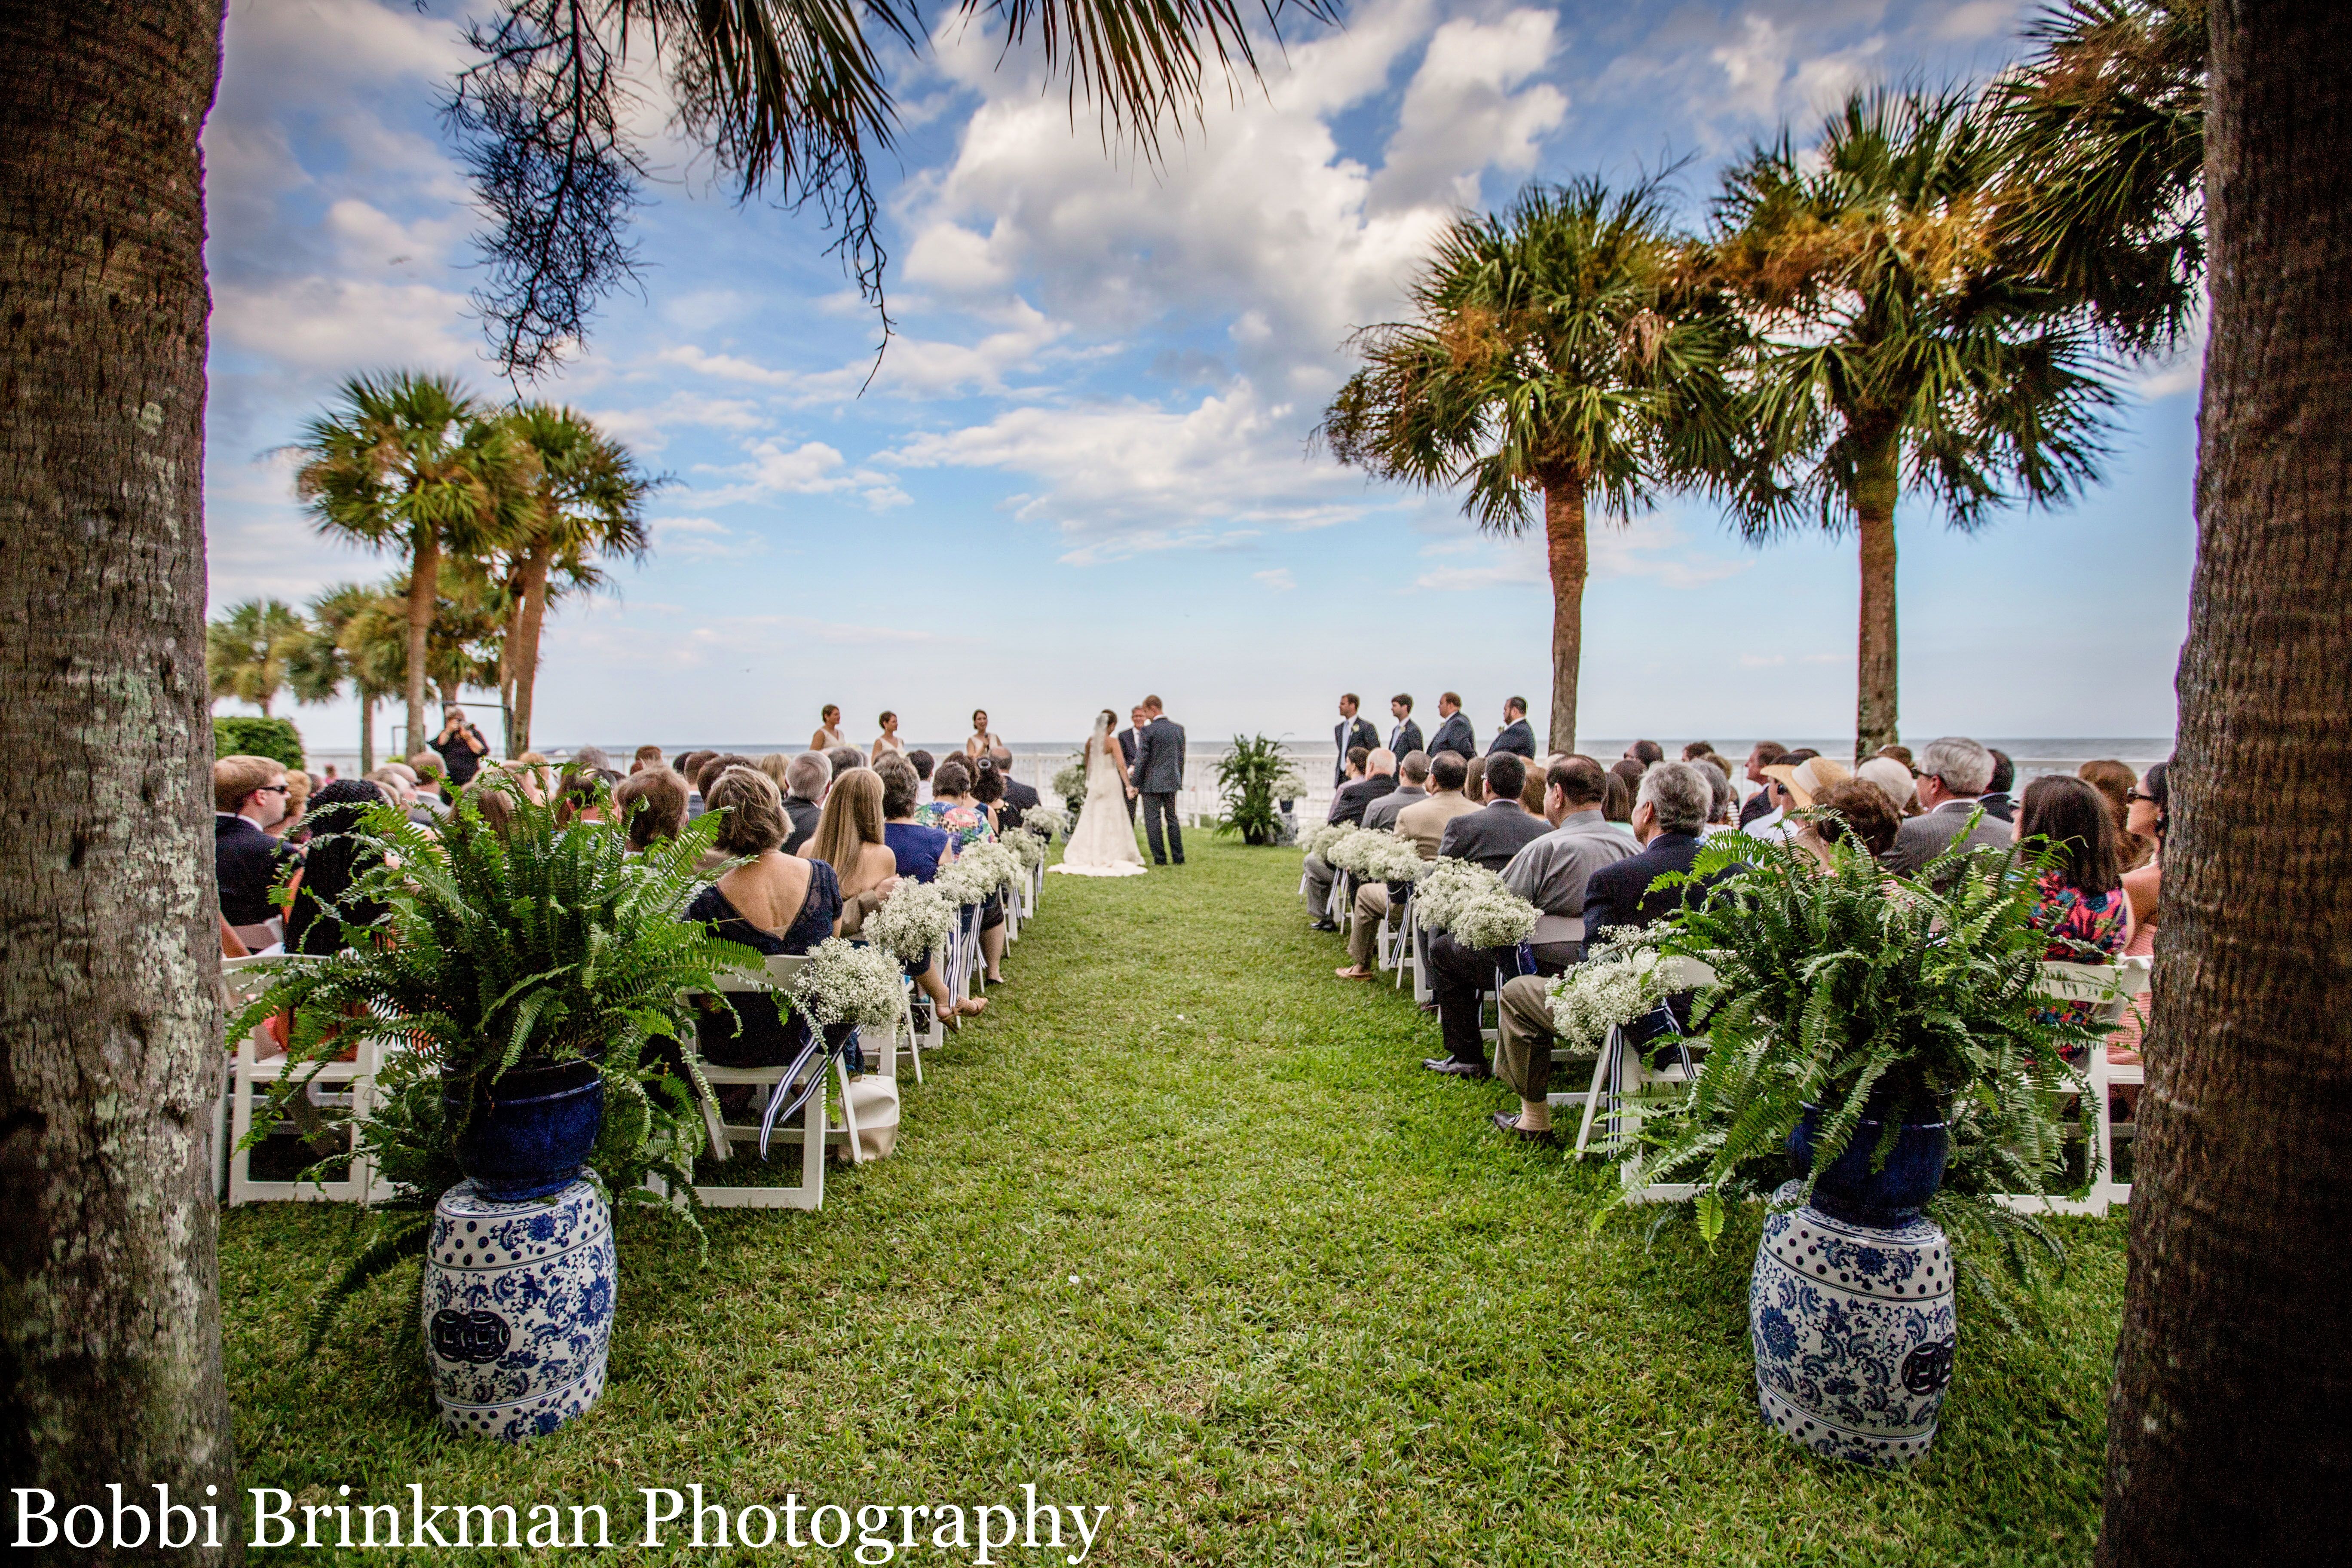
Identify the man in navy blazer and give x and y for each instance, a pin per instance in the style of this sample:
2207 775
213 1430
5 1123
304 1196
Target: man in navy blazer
1405 739
249 797
1454 731
1516 736
1158 775
1351 733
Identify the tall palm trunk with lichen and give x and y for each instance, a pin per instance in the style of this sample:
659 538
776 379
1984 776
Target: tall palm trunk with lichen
110 1030
1566 552
1877 485
522 647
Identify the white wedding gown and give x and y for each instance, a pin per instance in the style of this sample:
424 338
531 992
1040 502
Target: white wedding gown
1103 843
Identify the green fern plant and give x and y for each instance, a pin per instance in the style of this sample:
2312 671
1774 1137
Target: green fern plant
1253 776
520 943
1903 999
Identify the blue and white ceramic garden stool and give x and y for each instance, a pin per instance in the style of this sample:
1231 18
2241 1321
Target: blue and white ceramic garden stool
1854 1332
517 1309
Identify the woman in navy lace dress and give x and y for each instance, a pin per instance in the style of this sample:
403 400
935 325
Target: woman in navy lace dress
775 903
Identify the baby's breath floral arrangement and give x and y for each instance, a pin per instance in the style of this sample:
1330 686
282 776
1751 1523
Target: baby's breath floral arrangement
991 867
1443 885
1494 916
913 922
1604 993
1316 841
1391 857
843 983
1346 852
966 881
1029 848
1046 823
1069 782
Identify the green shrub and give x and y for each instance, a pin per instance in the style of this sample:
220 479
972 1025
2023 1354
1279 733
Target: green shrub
1253 776
275 739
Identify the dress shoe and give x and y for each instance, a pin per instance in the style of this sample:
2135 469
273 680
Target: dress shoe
1324 925
1452 1068
1508 1122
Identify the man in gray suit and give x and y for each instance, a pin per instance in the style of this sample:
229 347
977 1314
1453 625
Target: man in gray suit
1953 773
1159 774
1492 835
1454 731
1405 739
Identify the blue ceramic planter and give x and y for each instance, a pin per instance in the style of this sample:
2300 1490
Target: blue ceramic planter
1848 1189
517 1309
527 1137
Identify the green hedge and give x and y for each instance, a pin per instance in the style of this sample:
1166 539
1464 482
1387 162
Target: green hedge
275 739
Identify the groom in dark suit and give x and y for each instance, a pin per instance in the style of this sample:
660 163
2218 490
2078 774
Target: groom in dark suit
1158 773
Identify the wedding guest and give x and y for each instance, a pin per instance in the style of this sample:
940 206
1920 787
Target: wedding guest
1516 737
1496 831
1995 799
690 770
298 801
1454 731
593 759
1020 799
2116 783
1406 738
1318 872
1953 773
1701 751
1792 783
1353 734
1375 778
1374 901
717 763
432 780
1532 793
1762 755
828 729
988 791
1723 804
1863 814
773 903
1617 800
582 795
1645 753
1901 754
645 757
981 740
1630 769
248 798
913 852
2151 806
806 778
1474 780
965 822
1893 780
1412 784
321 906
923 762
651 806
1424 822
916 845
850 840
2080 900
461 745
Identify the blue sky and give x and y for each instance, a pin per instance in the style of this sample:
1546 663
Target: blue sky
1081 473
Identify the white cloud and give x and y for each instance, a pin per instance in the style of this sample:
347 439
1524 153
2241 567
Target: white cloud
1464 111
1769 74
701 539
776 466
337 325
1277 578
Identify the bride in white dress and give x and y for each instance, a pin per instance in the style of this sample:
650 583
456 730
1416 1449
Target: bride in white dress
1103 843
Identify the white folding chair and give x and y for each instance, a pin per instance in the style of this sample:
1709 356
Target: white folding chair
815 1130
1625 1089
258 1066
2110 988
1405 949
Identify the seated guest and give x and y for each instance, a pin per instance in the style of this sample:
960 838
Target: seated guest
806 777
1777 795
581 796
916 847
1648 752
1953 773
1375 899
988 790
2080 901
1498 830
1723 802
1893 780
1863 814
854 839
1374 777
248 798
1668 814
286 829
965 821
646 757
1899 754
773 764
1534 791
689 768
1761 757
1020 799
1995 799
773 903
1319 873
432 781
719 762
1473 781
651 806
1617 801
1799 785
1517 737
2116 784
592 759
922 762
844 758
322 905
1701 751
1552 872
1631 770
1424 821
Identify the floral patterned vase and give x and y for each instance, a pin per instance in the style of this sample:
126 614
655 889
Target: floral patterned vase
1854 1332
517 1309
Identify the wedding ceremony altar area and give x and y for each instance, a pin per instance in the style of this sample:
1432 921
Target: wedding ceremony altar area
1190 1235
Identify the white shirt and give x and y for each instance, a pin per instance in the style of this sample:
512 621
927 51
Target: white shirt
1772 825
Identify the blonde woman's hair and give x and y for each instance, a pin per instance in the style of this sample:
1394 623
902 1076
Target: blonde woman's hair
755 817
852 820
773 764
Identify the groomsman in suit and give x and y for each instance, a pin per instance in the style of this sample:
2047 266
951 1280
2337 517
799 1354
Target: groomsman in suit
1158 775
1405 739
1130 746
1454 731
1351 733
1516 736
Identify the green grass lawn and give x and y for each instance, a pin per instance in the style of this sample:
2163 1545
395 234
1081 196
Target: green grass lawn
1182 1229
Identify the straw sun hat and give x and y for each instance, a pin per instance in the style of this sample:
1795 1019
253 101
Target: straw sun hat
1809 779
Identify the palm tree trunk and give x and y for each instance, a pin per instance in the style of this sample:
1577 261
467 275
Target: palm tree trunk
367 731
524 647
424 586
1877 482
110 1029
2226 1434
1565 549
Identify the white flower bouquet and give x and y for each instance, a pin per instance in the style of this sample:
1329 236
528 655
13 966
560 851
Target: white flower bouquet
1346 852
846 983
1444 883
1390 857
913 922
1026 847
967 881
1316 841
994 865
1493 917
1046 823
1595 996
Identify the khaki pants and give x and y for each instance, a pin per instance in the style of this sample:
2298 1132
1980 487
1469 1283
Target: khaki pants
1522 1054
1372 911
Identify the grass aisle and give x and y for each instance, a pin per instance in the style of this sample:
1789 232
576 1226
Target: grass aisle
1182 1228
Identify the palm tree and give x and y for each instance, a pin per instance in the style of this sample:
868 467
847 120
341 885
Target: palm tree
248 649
412 462
1894 350
587 505
359 637
1559 352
